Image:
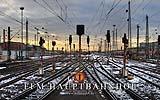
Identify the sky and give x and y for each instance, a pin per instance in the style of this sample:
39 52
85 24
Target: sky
60 17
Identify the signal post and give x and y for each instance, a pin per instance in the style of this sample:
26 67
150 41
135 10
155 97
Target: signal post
41 42
53 64
124 70
158 51
80 32
70 44
88 41
108 43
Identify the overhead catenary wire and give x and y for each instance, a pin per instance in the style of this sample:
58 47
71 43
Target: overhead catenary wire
107 15
49 9
96 16
12 18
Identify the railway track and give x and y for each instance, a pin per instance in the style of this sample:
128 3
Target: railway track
16 84
26 65
67 73
154 79
97 73
144 66
18 67
106 92
128 93
65 79
147 88
32 66
33 93
11 78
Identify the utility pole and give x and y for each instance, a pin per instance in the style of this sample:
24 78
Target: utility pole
0 38
113 44
70 44
116 40
94 43
158 51
147 38
9 40
46 36
35 39
101 45
37 35
74 48
88 41
22 8
65 47
27 39
108 43
129 24
138 40
4 35
105 45
48 42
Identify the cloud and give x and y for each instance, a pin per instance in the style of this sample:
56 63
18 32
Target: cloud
92 13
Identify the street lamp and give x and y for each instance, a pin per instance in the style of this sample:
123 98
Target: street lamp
21 8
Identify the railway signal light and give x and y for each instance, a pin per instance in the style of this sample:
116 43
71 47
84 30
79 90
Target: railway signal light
80 30
42 41
158 39
108 36
53 43
88 40
74 46
70 39
124 39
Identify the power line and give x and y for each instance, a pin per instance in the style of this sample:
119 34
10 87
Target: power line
107 15
12 18
147 4
49 9
96 15
65 9
137 8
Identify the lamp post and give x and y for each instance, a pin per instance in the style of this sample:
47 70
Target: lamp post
21 8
